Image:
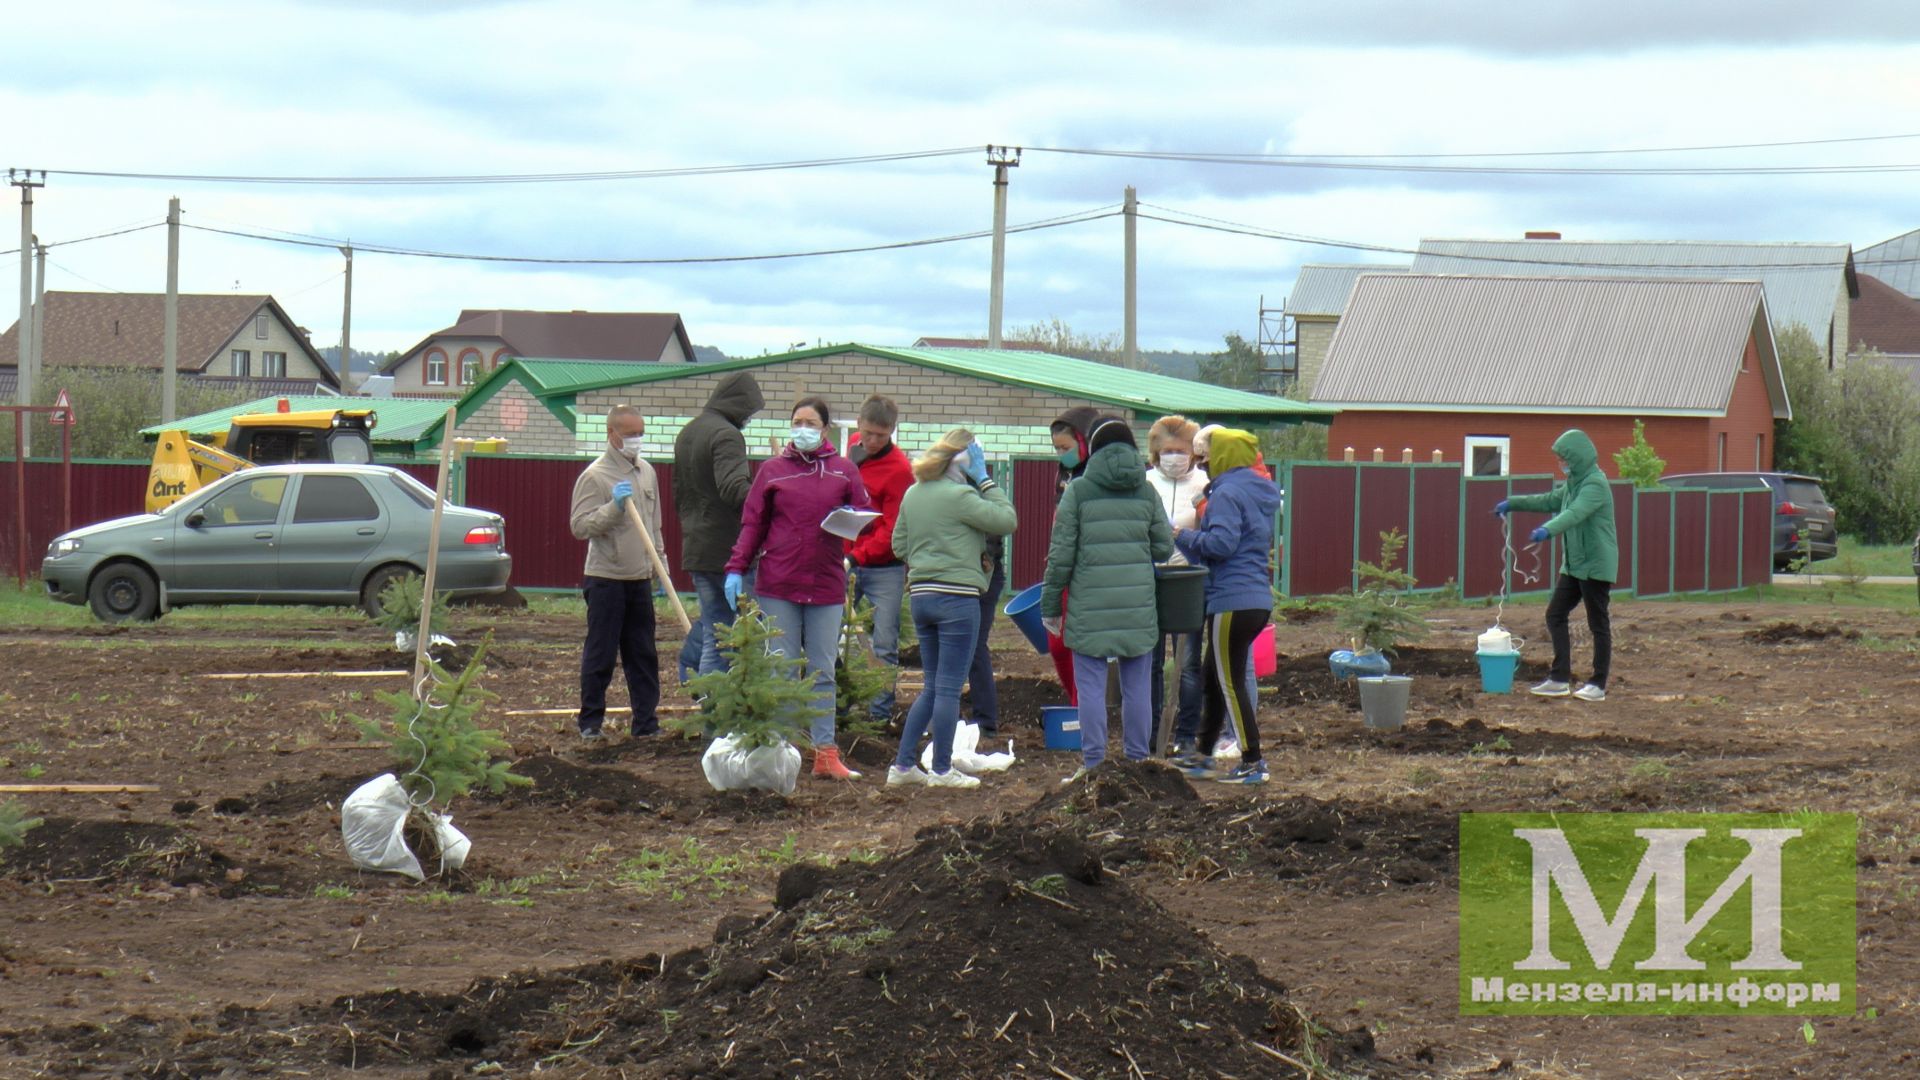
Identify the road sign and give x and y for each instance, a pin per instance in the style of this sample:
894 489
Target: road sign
65 415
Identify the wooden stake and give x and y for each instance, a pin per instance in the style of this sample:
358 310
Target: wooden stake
422 637
309 675
613 709
660 573
75 789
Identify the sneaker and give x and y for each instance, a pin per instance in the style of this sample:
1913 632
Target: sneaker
1184 746
1250 772
899 777
1201 769
1079 774
1227 750
1590 692
951 778
827 763
1187 759
591 734
1551 689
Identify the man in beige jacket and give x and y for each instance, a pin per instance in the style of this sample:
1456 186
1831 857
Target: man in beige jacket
618 584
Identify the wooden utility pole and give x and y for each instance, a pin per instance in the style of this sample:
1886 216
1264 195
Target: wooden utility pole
23 179
171 348
1001 158
1130 209
346 328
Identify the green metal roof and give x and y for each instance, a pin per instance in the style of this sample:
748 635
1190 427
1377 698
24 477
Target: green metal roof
1142 391
399 420
557 376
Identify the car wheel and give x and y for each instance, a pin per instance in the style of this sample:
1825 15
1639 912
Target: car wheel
377 583
124 592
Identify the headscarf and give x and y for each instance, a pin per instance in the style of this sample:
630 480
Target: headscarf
1231 448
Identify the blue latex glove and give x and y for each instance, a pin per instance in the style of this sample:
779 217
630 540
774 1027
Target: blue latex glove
623 491
976 465
732 588
1500 508
1539 535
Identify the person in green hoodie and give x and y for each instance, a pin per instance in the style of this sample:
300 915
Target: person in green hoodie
1582 509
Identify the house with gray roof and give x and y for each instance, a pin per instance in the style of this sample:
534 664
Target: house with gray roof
449 362
1490 369
1319 296
1895 261
1809 284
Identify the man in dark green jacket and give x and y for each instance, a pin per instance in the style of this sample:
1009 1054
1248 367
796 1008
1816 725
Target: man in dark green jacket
1582 510
711 476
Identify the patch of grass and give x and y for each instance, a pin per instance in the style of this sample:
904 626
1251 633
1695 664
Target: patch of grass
1650 769
1500 745
332 892
1870 560
438 896
1894 597
1054 885
676 872
1421 777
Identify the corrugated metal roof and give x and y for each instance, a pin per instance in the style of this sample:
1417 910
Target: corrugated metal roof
1322 288
1142 391
400 420
1805 283
1545 344
1895 261
559 376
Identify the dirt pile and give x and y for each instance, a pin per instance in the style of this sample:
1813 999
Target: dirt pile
65 851
1789 633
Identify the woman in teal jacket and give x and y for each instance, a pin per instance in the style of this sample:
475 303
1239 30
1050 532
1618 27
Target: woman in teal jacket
1582 510
1107 533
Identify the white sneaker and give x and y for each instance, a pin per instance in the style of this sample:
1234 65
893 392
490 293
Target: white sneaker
912 774
1552 689
951 778
1080 773
1590 692
1227 748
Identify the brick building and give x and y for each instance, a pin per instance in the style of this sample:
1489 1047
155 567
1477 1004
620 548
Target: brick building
1488 370
447 362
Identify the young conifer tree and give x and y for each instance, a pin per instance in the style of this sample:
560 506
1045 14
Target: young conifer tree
761 698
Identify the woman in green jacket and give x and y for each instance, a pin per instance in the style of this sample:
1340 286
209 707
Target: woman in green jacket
941 534
1107 533
1582 510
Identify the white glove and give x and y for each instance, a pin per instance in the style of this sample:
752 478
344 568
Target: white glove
1052 625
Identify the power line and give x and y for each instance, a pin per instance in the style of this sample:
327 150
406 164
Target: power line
526 178
1529 153
95 236
361 246
1483 170
75 273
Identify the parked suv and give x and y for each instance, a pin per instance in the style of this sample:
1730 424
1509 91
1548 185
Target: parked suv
1803 521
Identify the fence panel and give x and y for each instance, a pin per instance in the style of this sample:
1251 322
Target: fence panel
1436 526
1033 484
1386 504
1652 538
1482 539
1321 532
1689 541
1723 540
102 490
1623 504
1756 538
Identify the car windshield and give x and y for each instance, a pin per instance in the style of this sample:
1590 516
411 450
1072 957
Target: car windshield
1805 491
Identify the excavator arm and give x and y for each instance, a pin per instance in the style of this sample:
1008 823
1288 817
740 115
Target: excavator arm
182 466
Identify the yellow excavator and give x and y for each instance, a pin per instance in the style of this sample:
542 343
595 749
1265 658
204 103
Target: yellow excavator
183 465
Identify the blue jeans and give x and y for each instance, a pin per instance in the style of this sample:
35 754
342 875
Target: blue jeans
1186 719
946 625
714 612
1136 714
986 700
883 586
811 631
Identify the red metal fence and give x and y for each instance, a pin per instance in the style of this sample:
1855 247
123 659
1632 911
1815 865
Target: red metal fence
1670 541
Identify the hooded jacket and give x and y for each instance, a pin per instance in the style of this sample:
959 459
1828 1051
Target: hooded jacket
1582 509
887 476
800 562
1108 531
1235 538
711 475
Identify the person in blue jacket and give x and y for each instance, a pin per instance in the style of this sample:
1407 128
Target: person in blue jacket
1233 541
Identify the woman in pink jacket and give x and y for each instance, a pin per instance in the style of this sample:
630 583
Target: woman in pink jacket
801 582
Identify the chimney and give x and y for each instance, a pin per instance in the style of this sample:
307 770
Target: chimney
1543 234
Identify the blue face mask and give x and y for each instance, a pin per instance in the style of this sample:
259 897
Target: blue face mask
1069 458
806 439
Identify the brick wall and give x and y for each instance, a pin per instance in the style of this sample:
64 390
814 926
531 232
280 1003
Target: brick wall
519 417
1683 441
1749 420
1314 336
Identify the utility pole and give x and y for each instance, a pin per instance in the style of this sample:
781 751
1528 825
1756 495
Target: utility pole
171 365
23 179
39 310
1130 335
346 328
1001 158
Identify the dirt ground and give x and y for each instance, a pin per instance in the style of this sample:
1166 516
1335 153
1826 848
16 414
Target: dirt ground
619 918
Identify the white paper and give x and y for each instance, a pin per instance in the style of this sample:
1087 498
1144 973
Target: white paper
848 523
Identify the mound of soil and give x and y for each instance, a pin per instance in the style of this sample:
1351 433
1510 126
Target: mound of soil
1786 633
289 798
114 853
557 780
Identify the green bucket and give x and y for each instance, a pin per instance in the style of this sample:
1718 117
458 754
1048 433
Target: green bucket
1180 595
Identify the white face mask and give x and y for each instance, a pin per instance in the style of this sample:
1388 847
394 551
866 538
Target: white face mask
632 446
956 472
806 438
1174 465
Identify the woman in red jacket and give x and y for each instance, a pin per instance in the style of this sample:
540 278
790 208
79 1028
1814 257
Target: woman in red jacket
801 582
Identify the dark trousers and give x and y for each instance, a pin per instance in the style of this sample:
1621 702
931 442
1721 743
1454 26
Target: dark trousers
619 624
980 691
1567 592
1230 637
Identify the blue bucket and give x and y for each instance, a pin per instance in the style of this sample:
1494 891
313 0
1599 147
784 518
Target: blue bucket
1496 671
1024 610
1062 723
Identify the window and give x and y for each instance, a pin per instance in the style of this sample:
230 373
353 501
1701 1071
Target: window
260 326
469 367
240 360
286 445
413 489
1486 455
1721 453
1759 453
273 365
436 368
249 502
333 498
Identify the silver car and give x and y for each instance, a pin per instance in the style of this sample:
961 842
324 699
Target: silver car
279 534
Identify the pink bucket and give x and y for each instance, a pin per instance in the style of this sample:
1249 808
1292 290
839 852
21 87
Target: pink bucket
1264 661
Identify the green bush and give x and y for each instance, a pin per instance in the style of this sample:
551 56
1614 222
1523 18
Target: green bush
761 698
1638 462
111 405
1856 427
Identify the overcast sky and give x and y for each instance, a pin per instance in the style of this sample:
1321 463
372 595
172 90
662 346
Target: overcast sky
407 89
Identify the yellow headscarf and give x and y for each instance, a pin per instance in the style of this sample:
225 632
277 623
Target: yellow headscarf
1231 448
